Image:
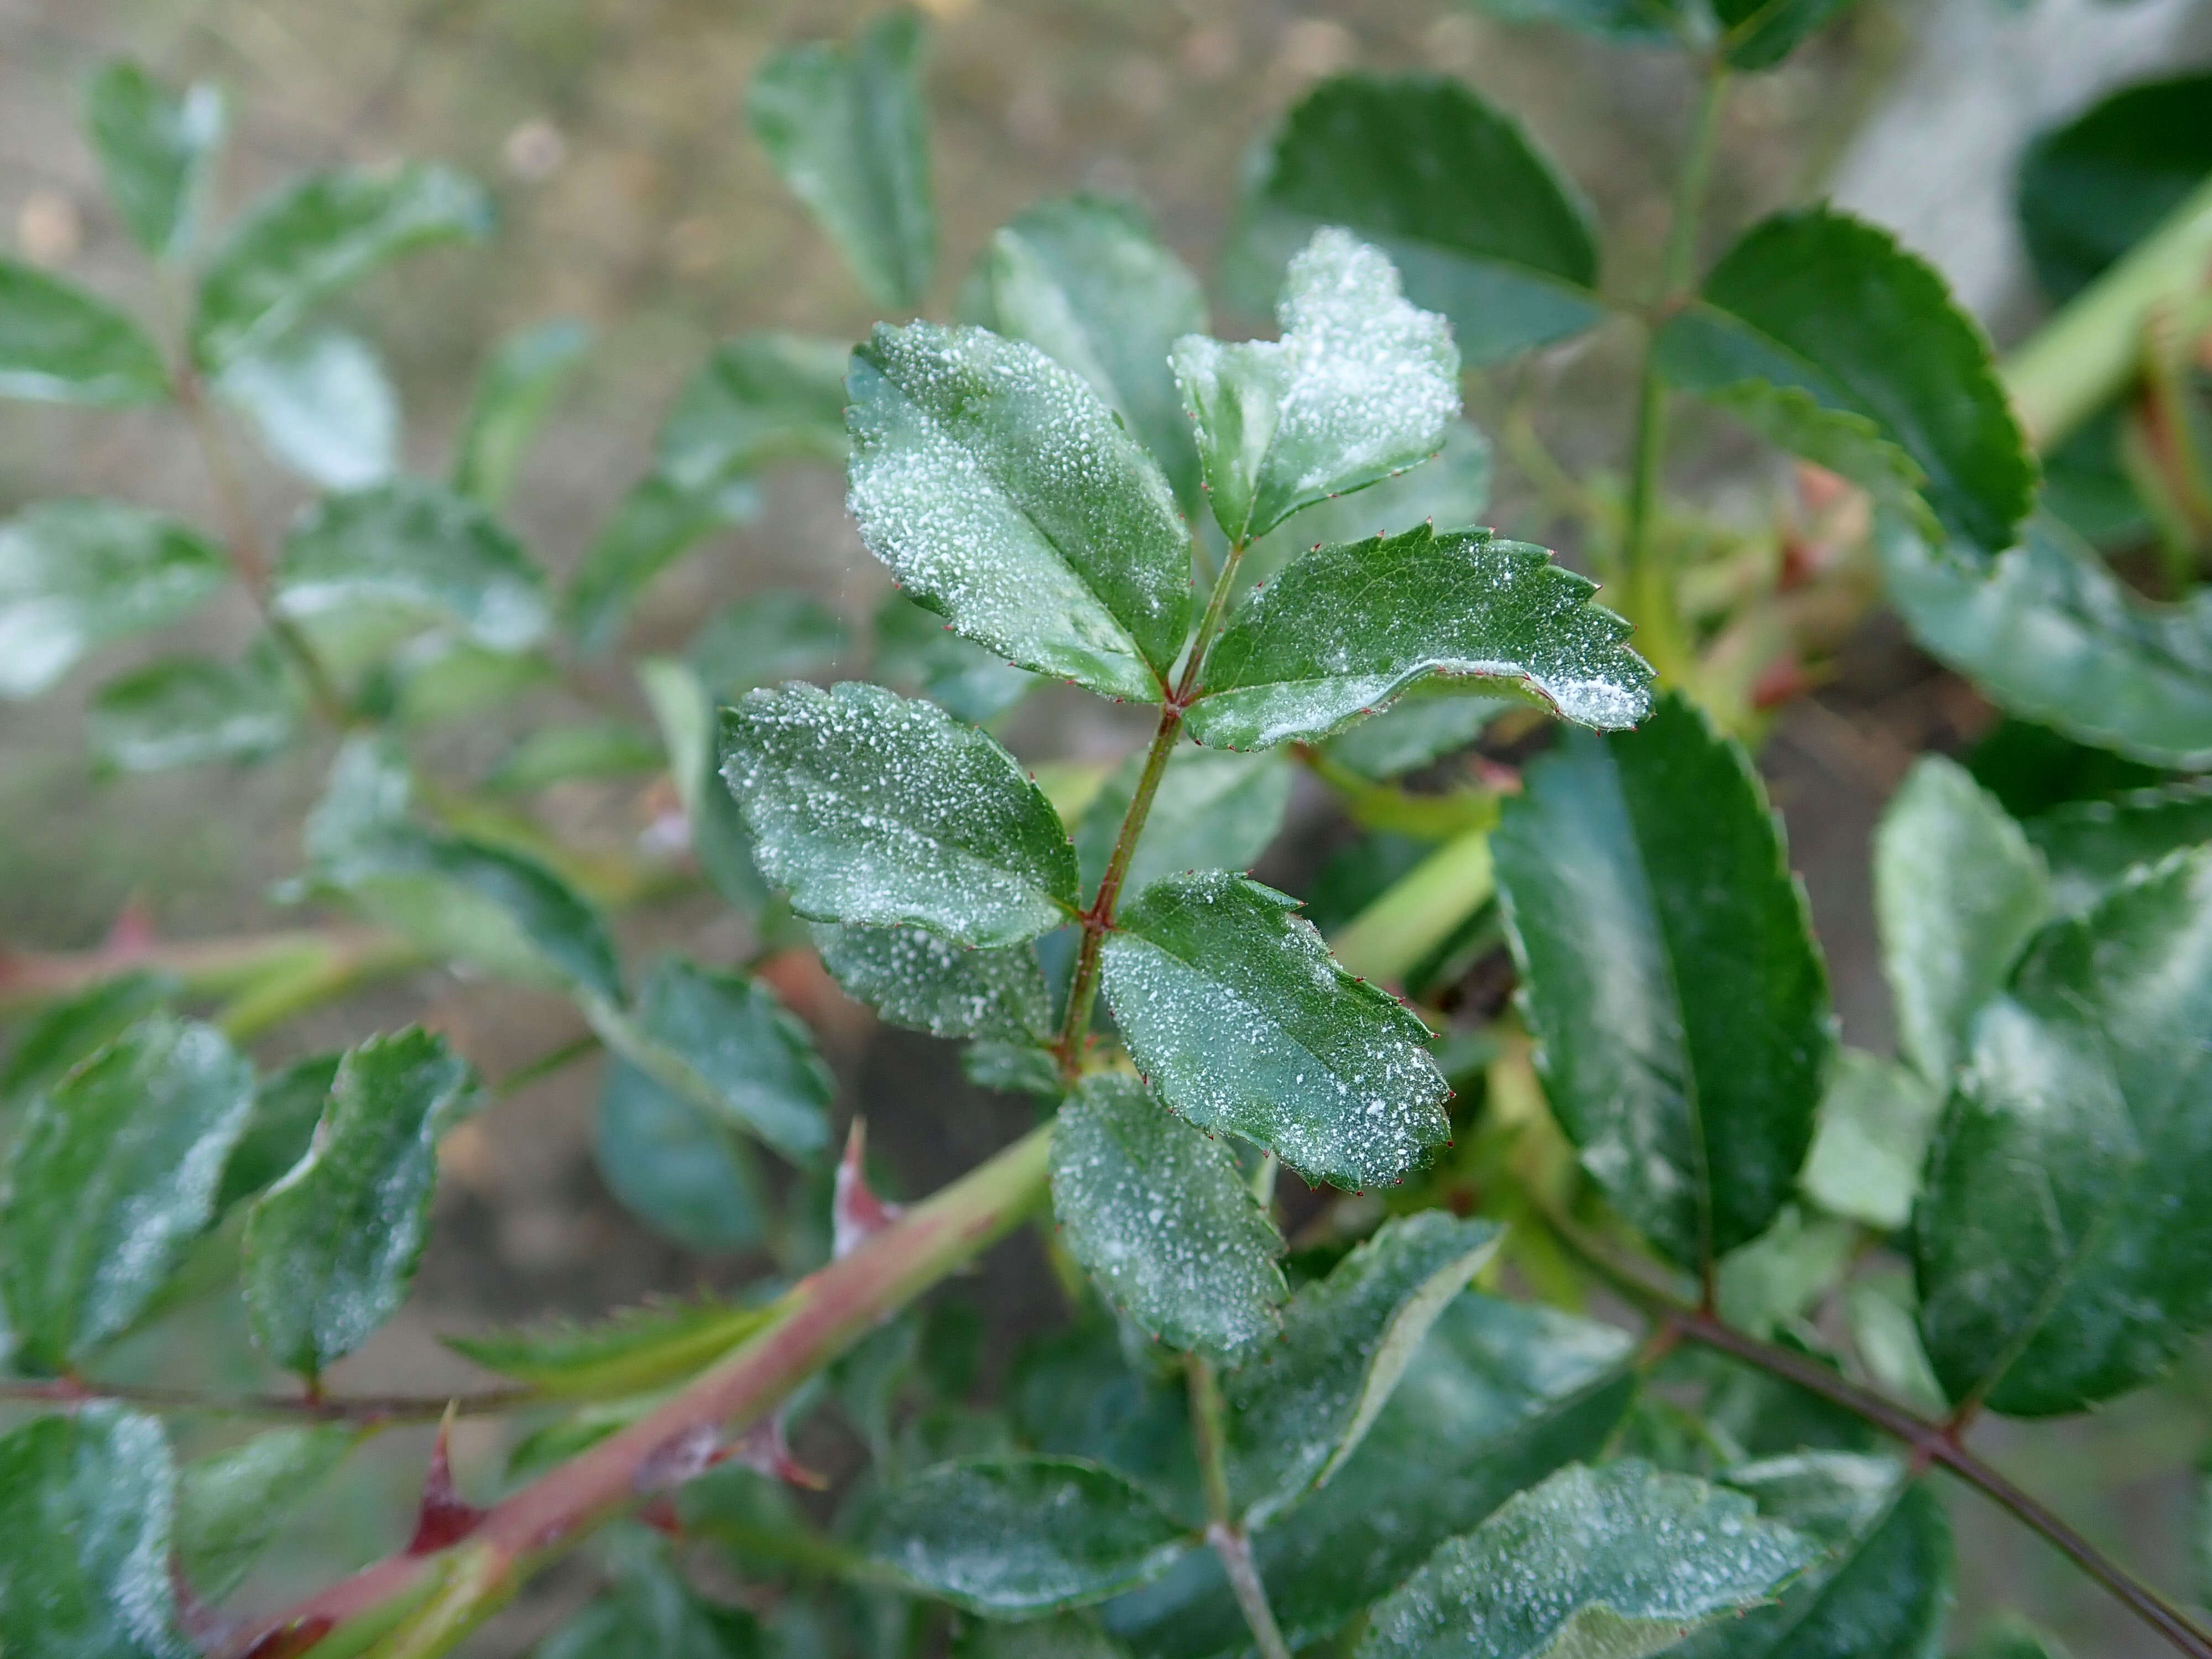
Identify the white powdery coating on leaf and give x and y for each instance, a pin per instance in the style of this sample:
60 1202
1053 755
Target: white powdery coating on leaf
915 979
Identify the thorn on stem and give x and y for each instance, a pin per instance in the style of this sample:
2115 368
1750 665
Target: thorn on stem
856 1214
442 1518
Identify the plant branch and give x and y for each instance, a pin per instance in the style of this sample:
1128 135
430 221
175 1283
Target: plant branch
1229 1540
228 966
366 1410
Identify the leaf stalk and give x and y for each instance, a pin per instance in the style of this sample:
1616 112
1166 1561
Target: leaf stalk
1228 1539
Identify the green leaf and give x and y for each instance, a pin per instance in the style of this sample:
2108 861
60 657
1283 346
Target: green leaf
516 390
1345 629
877 810
630 1352
1618 1561
1757 34
1884 1590
1160 1218
774 635
1361 387
111 1174
917 653
846 130
331 1247
1013 1068
317 236
75 574
1499 1395
416 547
1085 280
759 398
654 525
1876 1120
914 979
2061 1256
1014 1536
1766 1284
1480 223
1670 975
1234 1010
1627 22
1214 810
2008 1636
67 1030
322 405
1450 491
230 1506
684 1171
1849 444
156 149
1297 1410
1959 893
1815 300
85 1505
720 839
652 1612
2089 845
60 345
2091 189
190 711
1436 719
288 1104
1064 1636
594 748
1007 498
744 1052
2047 633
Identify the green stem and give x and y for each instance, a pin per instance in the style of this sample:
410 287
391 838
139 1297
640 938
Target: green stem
1416 914
1230 1541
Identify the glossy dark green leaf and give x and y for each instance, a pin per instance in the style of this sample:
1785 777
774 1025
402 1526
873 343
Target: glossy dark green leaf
1085 280
915 979
85 1506
917 653
2089 845
748 1055
1215 810
1006 497
1451 491
288 1104
1876 1120
420 550
1345 630
1362 385
1162 1218
683 1171
559 754
720 839
656 523
230 1506
317 236
760 397
59 344
2047 633
1236 1013
774 635
846 129
2060 1255
156 149
877 810
629 1352
1482 227
1757 34
516 390
1668 972
75 574
71 1028
191 711
331 1247
2091 189
1618 1561
321 405
1815 300
1498 1396
1883 1591
652 1612
1958 892
1297 1410
1013 1536
111 1174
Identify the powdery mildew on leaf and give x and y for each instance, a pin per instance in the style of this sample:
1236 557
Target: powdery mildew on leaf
1362 385
1233 1008
1011 501
1161 1216
874 809
913 978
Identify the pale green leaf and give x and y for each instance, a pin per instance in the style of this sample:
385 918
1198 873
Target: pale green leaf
231 1506
1214 810
190 711
156 149
59 344
630 1352
322 405
69 1029
656 523
516 390
75 574
758 398
1876 1120
1777 1277
559 754
914 979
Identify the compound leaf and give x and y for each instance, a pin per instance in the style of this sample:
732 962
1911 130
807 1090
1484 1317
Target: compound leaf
156 149
75 573
516 390
1621 1560
2060 1255
1006 497
331 1247
322 405
1345 630
1163 1220
1817 301
874 809
913 978
189 711
846 129
1480 223
1670 975
1014 1536
1362 385
1234 1010
230 1505
317 236
1213 810
59 344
